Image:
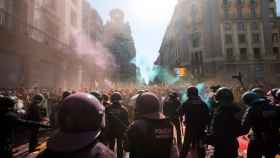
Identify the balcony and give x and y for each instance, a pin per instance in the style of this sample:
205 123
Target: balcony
18 25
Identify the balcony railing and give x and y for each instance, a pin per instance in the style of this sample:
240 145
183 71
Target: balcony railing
18 26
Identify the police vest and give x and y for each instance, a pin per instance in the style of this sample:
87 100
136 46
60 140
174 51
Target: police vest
155 141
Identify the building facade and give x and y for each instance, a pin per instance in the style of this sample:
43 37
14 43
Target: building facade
36 48
119 41
92 23
224 37
92 32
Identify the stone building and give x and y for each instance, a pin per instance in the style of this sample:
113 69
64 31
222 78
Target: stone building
223 37
118 39
92 32
36 43
92 23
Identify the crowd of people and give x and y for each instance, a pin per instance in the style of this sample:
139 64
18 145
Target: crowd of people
145 122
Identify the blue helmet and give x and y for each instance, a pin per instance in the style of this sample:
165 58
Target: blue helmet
249 97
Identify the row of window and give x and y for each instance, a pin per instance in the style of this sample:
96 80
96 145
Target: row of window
256 38
196 58
276 52
196 37
241 26
242 39
243 54
275 37
240 13
239 2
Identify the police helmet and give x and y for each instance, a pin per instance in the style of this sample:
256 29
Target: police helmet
249 97
81 119
7 102
38 98
147 103
116 96
224 94
192 91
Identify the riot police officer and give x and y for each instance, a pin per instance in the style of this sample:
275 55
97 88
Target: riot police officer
35 113
10 120
81 119
55 109
117 123
225 125
170 106
151 135
263 118
196 115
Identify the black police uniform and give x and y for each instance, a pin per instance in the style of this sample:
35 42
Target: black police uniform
224 129
148 138
170 107
196 118
116 125
263 118
34 114
11 120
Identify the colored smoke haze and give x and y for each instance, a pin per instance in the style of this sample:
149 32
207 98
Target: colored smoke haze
148 72
94 51
145 66
202 91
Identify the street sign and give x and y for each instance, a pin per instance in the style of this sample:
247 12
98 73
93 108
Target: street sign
181 71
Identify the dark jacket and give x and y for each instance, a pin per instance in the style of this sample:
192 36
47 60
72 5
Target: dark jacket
34 112
196 114
263 118
170 107
11 120
148 138
224 129
116 120
225 126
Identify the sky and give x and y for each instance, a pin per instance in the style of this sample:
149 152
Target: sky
278 7
148 20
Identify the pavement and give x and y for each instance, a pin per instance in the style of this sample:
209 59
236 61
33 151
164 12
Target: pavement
21 151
